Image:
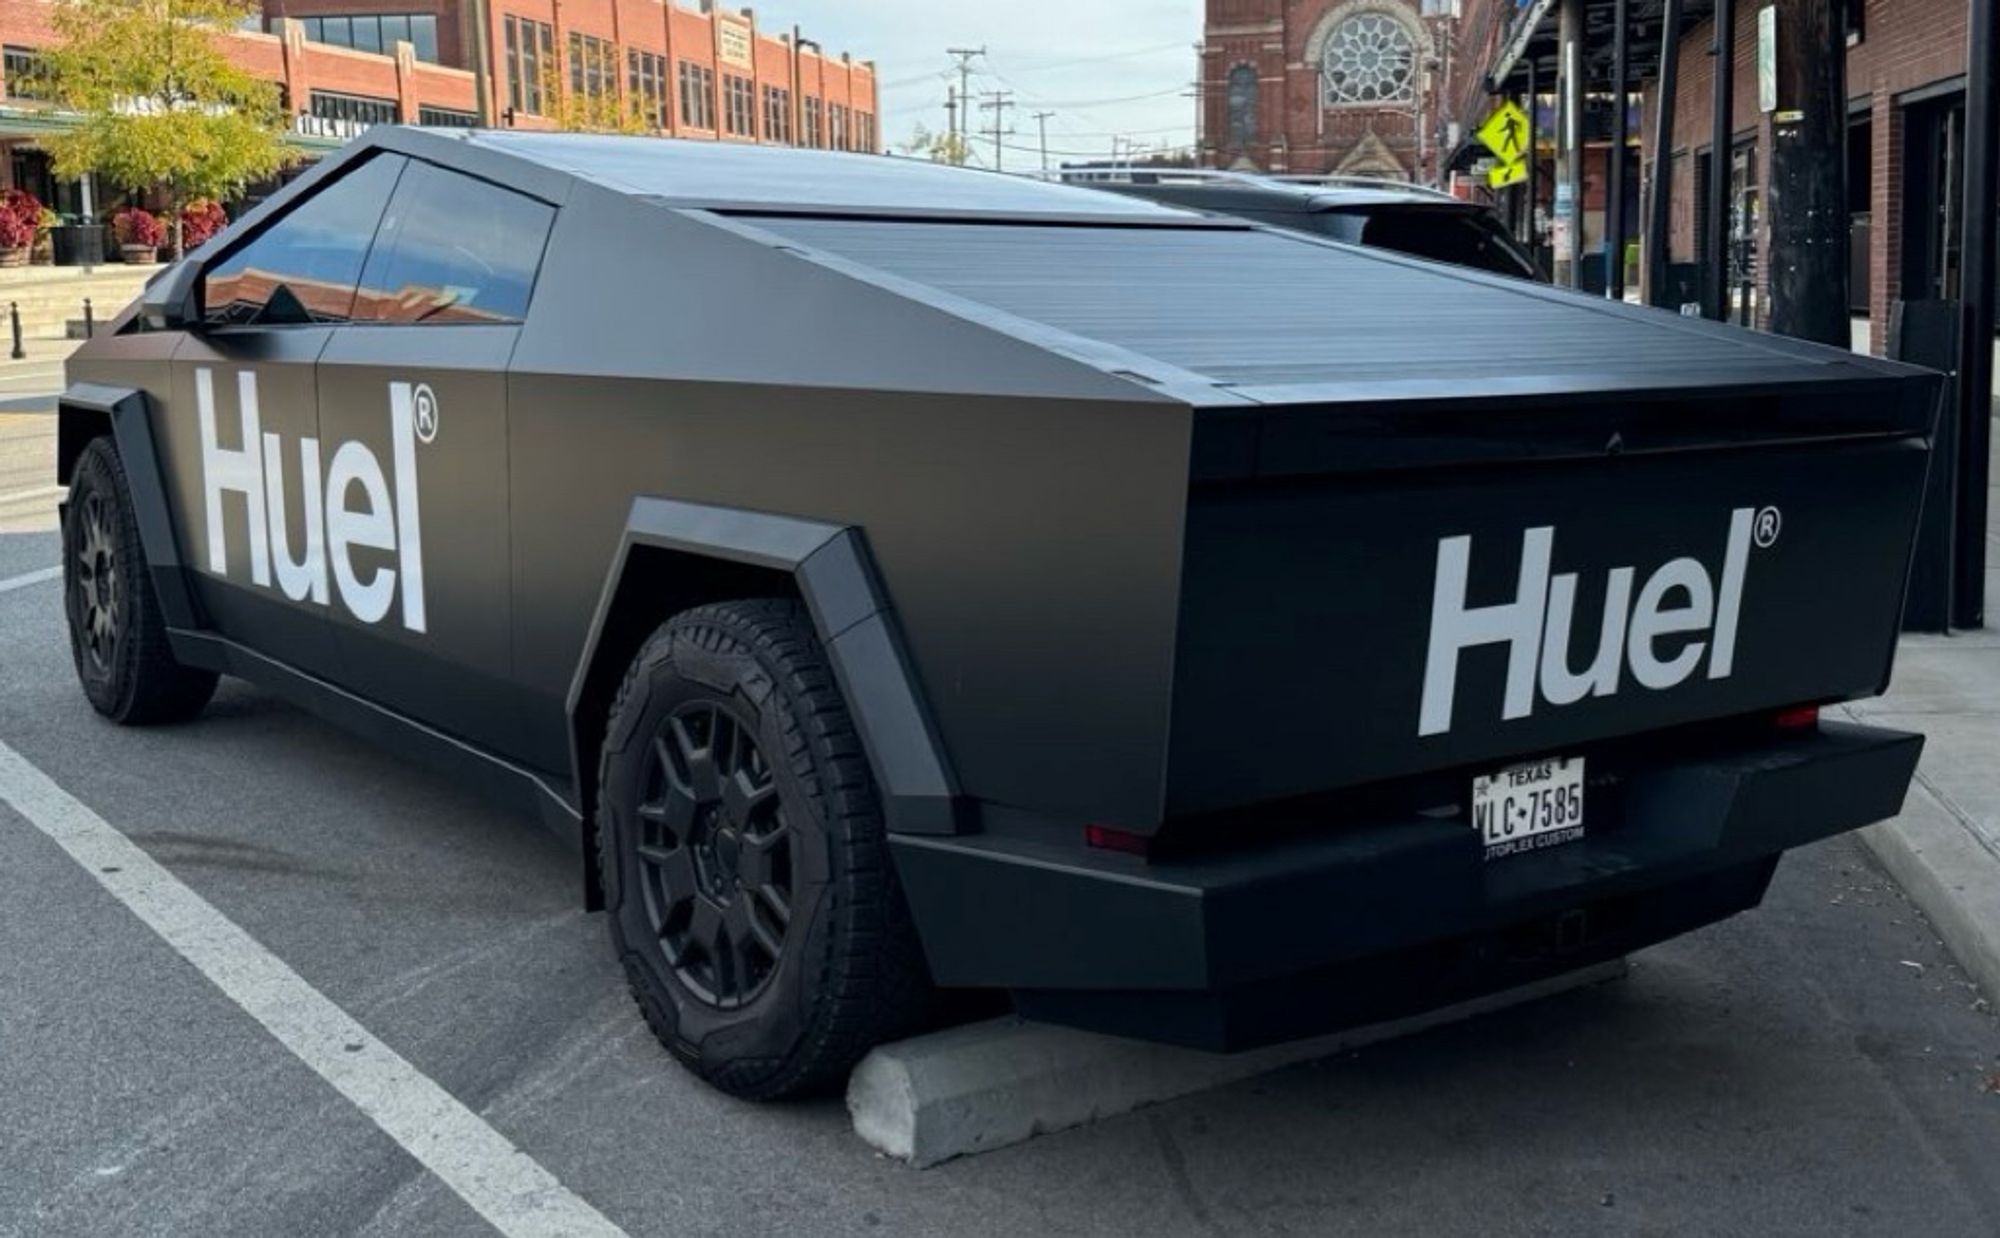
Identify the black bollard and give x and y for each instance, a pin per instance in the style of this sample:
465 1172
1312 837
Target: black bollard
14 314
89 322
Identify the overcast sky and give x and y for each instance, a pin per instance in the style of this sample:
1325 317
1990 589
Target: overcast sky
1102 66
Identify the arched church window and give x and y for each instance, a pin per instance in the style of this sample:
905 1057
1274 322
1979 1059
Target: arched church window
1242 106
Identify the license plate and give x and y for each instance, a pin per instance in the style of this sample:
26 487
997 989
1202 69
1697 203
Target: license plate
1530 806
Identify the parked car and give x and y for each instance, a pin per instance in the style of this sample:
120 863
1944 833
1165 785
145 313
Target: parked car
892 577
1409 219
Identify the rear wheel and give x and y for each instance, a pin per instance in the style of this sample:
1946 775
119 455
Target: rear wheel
750 890
117 635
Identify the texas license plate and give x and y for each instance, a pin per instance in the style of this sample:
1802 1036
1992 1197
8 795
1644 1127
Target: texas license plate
1530 806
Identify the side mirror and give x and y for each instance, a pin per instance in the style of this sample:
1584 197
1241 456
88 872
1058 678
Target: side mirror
172 300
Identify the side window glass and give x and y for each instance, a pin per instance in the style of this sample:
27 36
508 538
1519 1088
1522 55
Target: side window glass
453 250
304 267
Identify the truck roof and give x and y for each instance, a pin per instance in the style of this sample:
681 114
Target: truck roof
1194 308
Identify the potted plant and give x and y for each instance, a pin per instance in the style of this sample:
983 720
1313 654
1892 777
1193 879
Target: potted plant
140 235
200 220
44 251
20 220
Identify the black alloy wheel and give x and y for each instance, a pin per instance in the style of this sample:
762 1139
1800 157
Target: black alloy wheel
715 848
747 878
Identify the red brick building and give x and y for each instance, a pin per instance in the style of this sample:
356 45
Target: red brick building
1349 86
1906 63
1906 136
343 65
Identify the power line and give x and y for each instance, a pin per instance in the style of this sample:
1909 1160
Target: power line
1131 54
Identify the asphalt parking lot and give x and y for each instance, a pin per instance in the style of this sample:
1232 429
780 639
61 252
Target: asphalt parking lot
1819 1067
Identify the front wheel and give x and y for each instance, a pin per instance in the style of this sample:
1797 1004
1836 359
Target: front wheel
117 635
746 869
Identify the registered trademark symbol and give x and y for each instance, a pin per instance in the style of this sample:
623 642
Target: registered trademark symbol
1769 524
426 402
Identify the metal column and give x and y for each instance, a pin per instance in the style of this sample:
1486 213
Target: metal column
1570 185
1534 237
1614 220
1721 153
1975 381
1660 207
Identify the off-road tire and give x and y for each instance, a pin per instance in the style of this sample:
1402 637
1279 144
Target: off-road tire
117 635
848 973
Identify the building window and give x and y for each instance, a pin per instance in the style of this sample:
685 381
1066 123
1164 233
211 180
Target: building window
1370 58
739 106
531 55
357 110
777 115
1242 107
646 83
864 132
22 68
697 95
446 118
375 32
836 116
593 76
815 122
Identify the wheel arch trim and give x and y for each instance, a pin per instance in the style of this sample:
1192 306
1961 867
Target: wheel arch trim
125 409
833 572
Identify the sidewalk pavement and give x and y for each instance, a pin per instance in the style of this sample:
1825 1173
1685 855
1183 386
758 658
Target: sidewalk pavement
32 384
1945 848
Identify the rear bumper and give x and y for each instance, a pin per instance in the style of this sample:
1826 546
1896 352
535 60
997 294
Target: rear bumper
1377 920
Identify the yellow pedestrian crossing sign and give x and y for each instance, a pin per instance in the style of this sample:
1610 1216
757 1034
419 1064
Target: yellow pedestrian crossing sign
1501 175
1505 133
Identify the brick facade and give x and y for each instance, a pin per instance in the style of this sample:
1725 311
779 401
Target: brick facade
1293 121
727 42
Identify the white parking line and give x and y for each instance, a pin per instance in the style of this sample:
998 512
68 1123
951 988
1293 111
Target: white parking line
29 578
515 1194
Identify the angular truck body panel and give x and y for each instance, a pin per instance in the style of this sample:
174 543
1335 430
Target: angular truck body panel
1251 549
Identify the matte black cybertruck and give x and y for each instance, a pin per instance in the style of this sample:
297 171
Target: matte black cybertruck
895 577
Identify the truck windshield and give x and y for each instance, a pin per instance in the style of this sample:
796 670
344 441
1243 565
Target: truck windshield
1461 237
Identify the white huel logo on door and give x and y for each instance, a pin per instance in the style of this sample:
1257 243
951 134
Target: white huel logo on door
1678 600
335 523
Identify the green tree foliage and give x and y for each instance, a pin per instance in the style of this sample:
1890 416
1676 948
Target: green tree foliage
162 105
948 148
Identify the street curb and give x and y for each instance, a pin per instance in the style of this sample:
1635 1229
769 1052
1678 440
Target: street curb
1951 878
988 1085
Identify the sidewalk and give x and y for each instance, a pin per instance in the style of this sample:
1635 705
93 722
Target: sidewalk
1945 848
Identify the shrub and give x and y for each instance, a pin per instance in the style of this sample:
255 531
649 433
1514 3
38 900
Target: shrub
20 218
200 220
135 226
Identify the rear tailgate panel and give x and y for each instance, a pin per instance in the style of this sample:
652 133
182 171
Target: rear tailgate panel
1310 606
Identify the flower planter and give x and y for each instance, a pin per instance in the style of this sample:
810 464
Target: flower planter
14 257
139 255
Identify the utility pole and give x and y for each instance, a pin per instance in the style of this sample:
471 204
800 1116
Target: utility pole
1042 122
1660 207
1569 185
1975 341
1808 181
997 102
1614 206
965 57
951 113
1721 162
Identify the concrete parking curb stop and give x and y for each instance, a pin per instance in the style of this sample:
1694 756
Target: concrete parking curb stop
987 1085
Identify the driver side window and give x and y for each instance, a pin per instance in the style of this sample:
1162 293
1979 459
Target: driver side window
304 268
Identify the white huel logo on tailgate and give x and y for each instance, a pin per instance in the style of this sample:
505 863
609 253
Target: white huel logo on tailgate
1536 625
331 532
